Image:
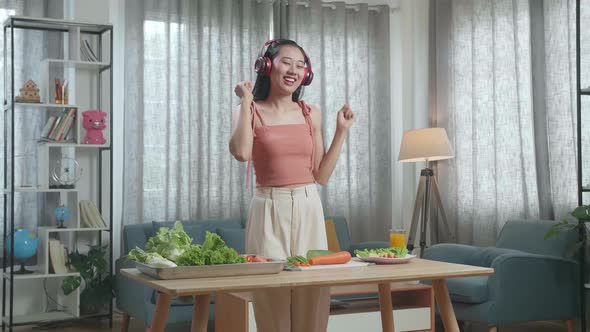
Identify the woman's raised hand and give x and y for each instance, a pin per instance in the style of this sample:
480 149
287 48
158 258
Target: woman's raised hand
345 118
244 90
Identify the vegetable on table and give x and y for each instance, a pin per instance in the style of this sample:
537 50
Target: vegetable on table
297 261
341 257
394 252
172 247
257 259
213 251
150 258
169 242
314 253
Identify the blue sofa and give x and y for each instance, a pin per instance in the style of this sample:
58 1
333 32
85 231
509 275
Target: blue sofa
139 301
534 279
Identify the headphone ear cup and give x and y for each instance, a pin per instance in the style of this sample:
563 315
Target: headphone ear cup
307 77
263 66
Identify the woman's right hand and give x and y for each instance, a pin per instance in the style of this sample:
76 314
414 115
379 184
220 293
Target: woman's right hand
244 90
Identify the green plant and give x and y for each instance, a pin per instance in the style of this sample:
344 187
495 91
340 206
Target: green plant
94 271
582 216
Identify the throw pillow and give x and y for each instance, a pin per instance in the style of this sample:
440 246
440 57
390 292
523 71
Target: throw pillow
333 243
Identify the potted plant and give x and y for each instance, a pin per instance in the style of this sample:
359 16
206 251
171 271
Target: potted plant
94 271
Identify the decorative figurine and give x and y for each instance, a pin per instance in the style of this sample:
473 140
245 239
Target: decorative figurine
94 121
65 172
29 93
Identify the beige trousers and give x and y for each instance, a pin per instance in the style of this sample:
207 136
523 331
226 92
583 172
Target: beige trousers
288 222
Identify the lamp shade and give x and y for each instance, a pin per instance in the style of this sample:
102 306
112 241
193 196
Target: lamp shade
426 144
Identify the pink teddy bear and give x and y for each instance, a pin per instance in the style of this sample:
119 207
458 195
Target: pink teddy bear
94 122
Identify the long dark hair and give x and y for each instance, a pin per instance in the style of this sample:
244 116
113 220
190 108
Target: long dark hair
262 86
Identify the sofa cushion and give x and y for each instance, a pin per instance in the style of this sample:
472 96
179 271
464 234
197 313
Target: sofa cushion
560 244
467 289
234 238
485 256
136 235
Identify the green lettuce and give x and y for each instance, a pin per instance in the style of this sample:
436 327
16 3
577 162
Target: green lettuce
150 258
169 242
213 241
193 255
212 251
398 252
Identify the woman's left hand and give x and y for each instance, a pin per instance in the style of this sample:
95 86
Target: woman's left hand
345 118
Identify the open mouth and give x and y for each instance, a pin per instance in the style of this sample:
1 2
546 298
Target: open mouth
290 81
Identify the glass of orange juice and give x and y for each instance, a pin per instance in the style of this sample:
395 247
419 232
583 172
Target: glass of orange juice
397 238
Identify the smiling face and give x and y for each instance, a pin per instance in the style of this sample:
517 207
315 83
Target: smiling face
288 70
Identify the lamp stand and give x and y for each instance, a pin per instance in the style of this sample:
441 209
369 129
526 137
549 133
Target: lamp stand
427 186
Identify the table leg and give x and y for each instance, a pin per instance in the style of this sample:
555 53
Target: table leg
161 313
386 307
200 313
447 314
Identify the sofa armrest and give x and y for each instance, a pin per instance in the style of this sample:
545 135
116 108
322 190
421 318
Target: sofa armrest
131 295
450 252
367 245
534 287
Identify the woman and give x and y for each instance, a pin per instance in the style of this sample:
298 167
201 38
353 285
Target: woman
282 137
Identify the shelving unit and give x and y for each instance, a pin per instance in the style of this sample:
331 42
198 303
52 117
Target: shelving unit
583 186
38 297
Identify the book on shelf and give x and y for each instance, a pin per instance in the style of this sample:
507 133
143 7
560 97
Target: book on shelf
86 52
48 126
57 129
90 217
57 255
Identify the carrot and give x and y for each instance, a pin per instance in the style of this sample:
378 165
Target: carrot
341 257
259 259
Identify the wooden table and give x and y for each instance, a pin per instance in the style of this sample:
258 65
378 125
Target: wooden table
232 310
383 275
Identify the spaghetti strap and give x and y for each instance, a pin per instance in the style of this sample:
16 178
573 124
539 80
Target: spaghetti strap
255 110
307 115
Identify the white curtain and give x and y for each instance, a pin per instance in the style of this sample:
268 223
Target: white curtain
505 92
183 60
349 49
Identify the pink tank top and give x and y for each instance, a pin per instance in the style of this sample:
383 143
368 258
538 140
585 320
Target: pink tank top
282 154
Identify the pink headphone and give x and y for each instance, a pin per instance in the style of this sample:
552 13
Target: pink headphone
263 64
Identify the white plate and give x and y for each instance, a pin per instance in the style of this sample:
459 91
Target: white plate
385 260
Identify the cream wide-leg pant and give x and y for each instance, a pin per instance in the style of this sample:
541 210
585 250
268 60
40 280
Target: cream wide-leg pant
288 222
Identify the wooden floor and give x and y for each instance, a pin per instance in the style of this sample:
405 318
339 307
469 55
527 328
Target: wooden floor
95 326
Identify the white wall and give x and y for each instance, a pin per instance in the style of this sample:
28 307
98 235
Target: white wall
409 97
112 12
91 11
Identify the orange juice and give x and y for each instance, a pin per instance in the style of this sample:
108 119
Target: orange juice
397 239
